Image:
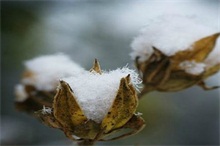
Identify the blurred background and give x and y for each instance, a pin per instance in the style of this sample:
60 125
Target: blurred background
102 29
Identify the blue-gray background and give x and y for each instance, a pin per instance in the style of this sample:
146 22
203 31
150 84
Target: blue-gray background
102 29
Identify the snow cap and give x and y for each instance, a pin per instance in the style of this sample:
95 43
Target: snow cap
45 71
96 92
170 34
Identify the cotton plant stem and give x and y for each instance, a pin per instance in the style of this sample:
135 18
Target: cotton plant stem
40 101
145 91
86 142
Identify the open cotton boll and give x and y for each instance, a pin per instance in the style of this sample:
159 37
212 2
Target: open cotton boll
95 92
170 34
44 72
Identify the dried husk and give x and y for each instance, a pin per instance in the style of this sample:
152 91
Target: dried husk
163 73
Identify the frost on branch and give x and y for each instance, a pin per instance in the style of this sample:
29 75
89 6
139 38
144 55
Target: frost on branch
40 79
96 103
175 52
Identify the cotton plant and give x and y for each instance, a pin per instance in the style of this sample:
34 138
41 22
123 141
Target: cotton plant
40 79
172 53
175 52
93 105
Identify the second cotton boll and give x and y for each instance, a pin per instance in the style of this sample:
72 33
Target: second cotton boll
176 52
40 80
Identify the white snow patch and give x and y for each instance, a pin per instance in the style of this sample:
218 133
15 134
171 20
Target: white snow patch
76 137
192 67
20 93
138 114
48 69
170 34
95 93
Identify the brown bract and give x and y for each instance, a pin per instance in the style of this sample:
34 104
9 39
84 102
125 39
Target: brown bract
36 99
163 73
68 116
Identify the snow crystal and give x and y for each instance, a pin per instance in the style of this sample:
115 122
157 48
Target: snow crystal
170 34
20 93
192 67
47 70
46 110
75 137
95 93
138 114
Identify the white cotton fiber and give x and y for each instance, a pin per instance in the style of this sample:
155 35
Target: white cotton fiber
95 93
48 69
170 34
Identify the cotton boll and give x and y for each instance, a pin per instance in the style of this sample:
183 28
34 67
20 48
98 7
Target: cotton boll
45 71
95 92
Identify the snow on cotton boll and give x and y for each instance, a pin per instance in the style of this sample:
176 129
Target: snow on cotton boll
95 93
170 34
94 104
40 80
44 72
176 52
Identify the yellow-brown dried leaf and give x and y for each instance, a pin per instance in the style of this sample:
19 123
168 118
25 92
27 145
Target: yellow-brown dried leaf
66 109
96 67
199 51
211 70
123 107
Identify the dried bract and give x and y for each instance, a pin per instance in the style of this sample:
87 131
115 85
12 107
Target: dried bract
29 99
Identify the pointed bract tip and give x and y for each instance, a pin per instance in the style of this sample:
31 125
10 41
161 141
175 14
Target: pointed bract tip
217 34
62 82
96 67
158 51
96 60
128 78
